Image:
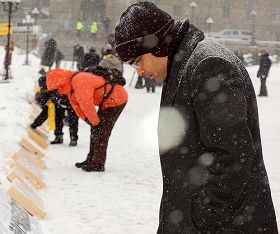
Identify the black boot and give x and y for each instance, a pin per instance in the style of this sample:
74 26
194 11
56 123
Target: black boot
73 142
93 167
80 164
58 140
33 126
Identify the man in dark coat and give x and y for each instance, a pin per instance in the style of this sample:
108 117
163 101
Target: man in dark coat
265 64
214 178
91 59
48 56
78 56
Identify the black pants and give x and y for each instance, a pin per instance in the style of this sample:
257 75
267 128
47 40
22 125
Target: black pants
59 116
73 121
150 85
263 90
42 117
101 133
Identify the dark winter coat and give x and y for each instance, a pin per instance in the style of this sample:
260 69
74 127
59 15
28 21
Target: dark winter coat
265 64
59 56
214 178
78 54
91 59
49 53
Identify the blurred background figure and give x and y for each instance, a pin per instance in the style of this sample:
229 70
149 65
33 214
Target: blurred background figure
48 57
93 29
265 64
150 84
140 82
110 60
58 58
91 58
78 56
79 28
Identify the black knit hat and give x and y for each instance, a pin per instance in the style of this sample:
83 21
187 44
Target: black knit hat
143 28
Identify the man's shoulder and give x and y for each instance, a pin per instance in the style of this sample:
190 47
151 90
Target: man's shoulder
209 49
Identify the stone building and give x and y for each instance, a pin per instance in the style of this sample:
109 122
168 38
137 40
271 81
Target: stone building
58 17
226 14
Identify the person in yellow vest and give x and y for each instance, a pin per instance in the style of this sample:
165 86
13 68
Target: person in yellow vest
93 29
79 28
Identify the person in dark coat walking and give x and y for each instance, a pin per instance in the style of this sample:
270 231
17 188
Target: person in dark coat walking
59 56
214 177
78 56
265 64
49 53
150 85
91 59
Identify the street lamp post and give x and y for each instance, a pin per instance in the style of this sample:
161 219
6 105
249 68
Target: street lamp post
209 22
35 13
10 6
253 14
28 21
193 5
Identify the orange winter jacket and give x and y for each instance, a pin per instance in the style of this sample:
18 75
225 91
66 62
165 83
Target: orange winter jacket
85 91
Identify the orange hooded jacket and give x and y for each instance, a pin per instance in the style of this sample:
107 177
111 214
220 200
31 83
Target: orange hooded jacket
85 91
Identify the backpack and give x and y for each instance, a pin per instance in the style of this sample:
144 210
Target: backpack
112 77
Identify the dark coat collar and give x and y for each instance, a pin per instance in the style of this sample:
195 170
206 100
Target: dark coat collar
186 38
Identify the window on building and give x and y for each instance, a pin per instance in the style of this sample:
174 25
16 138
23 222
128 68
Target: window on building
226 8
275 14
45 3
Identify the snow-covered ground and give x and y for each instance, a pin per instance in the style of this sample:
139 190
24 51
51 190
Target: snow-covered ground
126 198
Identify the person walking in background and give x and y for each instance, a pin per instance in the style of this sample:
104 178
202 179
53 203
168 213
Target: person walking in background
110 60
96 86
91 58
150 85
93 29
58 58
140 82
78 56
79 28
214 177
265 64
48 57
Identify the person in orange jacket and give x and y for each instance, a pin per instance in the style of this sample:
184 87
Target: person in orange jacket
86 90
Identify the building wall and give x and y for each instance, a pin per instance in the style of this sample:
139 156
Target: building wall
267 24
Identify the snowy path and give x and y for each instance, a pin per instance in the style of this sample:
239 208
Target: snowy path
126 198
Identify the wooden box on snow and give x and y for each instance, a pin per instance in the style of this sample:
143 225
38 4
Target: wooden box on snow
26 198
32 147
17 173
37 138
23 153
43 133
30 172
36 109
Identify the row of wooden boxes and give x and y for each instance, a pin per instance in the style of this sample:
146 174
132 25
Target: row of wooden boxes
26 174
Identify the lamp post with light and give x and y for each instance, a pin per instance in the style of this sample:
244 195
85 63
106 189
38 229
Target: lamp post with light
209 22
28 21
193 5
253 14
9 6
35 13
